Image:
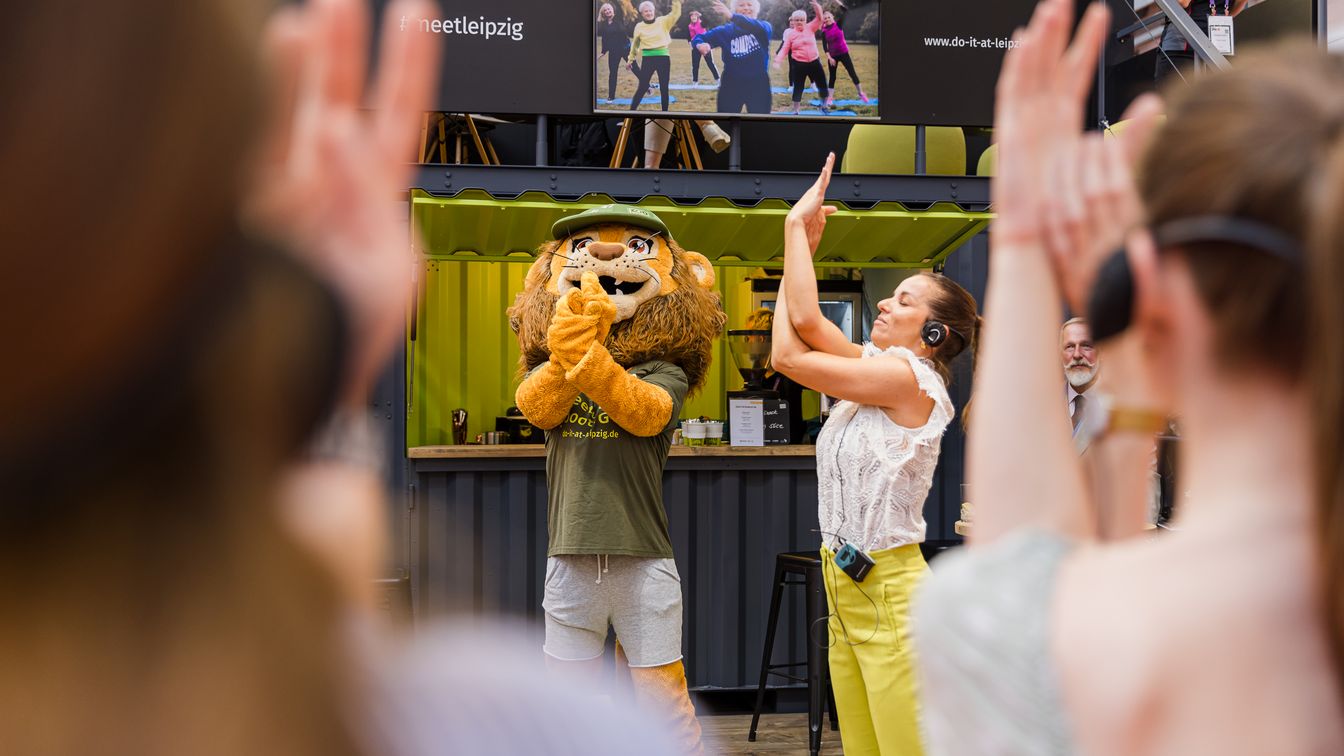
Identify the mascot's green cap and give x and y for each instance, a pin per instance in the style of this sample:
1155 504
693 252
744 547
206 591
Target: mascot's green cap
628 215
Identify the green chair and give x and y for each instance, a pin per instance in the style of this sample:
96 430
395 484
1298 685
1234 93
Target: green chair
988 158
880 148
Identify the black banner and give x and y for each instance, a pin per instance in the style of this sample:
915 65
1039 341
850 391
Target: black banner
510 56
941 60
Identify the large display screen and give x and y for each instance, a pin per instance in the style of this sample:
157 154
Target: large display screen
747 58
900 61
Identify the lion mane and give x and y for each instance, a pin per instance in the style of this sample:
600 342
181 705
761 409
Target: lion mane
679 327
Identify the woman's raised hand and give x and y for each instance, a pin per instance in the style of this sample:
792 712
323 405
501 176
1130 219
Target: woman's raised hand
809 212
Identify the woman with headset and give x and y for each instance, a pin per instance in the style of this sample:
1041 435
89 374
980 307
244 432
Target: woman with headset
875 461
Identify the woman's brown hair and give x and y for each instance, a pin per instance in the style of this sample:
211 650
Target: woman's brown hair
1265 142
954 307
154 603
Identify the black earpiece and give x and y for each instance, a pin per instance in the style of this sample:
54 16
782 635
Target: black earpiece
1111 305
933 333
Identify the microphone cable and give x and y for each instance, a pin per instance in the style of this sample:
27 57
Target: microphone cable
832 595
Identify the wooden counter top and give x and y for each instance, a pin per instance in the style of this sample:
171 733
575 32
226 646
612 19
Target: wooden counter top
515 451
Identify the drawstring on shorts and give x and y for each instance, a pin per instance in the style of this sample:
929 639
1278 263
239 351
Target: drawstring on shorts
602 568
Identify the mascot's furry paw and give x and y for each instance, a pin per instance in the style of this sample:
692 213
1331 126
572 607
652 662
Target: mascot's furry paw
583 316
642 408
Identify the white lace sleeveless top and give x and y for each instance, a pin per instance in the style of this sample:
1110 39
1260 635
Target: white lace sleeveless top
872 474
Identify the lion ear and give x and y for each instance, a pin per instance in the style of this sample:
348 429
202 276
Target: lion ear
700 268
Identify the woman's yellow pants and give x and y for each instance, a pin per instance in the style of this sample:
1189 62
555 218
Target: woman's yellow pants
872 662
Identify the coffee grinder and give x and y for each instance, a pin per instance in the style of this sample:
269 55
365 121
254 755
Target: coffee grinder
751 352
757 414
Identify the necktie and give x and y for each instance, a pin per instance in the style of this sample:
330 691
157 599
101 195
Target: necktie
1078 402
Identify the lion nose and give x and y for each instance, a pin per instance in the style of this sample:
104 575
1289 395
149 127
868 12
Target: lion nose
606 250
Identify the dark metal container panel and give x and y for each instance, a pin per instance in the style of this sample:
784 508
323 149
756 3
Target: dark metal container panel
969 266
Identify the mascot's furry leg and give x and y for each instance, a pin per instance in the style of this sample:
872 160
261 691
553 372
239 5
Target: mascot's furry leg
662 690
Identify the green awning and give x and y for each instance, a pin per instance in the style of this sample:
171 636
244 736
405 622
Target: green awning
473 225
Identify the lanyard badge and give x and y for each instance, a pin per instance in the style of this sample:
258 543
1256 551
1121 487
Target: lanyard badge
1220 28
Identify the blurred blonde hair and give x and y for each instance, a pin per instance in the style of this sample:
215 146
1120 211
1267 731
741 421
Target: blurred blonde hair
760 319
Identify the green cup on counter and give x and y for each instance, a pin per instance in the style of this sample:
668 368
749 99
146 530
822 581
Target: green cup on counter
714 433
693 432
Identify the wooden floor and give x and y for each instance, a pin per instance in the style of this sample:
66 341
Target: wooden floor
777 735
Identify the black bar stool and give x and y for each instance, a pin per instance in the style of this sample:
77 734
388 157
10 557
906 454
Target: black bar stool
807 566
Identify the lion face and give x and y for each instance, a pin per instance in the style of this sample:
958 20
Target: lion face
633 265
666 307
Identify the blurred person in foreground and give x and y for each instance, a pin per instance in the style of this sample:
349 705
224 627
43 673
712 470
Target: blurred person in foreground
1223 637
238 274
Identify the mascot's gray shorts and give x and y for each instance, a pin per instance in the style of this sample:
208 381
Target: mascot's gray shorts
639 597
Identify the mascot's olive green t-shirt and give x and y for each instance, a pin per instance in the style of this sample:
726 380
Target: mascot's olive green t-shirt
606 483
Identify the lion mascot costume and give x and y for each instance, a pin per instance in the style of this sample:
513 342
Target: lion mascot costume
616 325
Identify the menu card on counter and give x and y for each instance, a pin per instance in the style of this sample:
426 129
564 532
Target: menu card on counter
746 422
758 422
